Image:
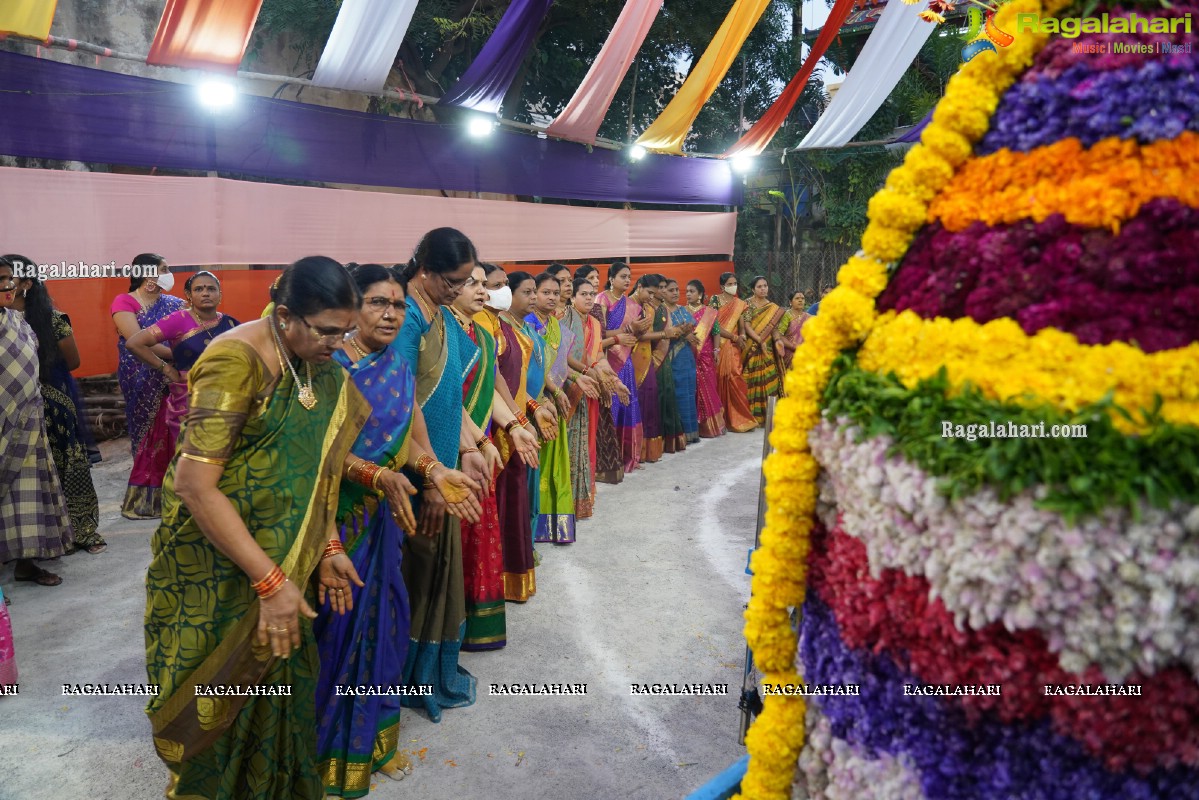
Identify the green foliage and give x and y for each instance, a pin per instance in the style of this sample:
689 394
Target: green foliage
1081 476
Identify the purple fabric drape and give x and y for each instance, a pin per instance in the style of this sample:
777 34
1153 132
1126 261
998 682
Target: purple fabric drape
486 81
81 114
914 134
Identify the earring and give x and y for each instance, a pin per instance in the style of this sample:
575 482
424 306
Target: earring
282 326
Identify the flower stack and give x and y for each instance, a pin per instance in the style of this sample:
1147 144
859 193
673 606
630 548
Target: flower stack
1020 615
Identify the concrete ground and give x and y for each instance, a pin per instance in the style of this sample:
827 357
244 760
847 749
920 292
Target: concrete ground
652 592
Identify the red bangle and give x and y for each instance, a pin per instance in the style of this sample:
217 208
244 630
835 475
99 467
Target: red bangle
486 440
270 584
335 547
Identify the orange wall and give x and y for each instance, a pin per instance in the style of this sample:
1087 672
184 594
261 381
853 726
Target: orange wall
244 294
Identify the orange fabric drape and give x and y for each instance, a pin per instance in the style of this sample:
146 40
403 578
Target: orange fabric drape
27 17
756 138
668 131
204 34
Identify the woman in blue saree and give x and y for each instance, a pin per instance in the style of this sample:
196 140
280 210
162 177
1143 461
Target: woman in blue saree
358 734
442 356
623 325
682 362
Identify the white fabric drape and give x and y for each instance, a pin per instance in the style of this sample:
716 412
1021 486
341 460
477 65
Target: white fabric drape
363 44
890 50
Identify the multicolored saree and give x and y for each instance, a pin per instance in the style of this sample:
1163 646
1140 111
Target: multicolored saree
791 329
513 353
761 367
534 386
8 656
627 419
674 440
647 393
682 364
482 549
142 386
443 356
356 735
581 429
609 466
708 407
556 505
187 337
730 382
282 471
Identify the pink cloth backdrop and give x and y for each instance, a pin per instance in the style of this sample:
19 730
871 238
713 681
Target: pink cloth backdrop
100 217
585 112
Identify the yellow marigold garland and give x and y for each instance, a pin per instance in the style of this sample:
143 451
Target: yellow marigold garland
846 317
1049 366
1100 186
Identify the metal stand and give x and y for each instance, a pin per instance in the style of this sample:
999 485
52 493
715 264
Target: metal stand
750 703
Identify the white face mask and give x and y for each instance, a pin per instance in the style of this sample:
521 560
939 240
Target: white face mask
501 298
166 281
730 289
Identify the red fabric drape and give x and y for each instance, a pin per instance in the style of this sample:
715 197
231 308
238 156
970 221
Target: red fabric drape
756 138
204 34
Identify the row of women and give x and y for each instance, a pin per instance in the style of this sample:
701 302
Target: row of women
48 503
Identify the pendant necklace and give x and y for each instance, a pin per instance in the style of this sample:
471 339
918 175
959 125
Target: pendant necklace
307 397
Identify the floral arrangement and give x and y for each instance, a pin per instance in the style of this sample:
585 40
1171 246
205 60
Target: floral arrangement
988 284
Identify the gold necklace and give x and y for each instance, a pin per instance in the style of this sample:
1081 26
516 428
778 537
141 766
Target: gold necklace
465 323
420 302
306 395
361 352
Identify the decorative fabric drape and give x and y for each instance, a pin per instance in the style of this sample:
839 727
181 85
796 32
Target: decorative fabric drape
78 114
893 44
204 34
486 81
581 118
27 17
914 134
667 132
363 45
756 138
89 216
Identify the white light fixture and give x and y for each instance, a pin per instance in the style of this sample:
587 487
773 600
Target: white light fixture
217 94
479 127
636 152
741 164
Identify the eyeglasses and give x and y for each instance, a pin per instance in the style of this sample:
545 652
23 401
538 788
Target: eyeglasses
380 305
8 283
453 285
325 338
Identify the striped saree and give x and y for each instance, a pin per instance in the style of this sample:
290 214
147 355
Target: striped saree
761 366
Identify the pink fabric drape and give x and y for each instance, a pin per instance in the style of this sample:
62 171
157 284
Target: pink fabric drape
204 34
585 112
101 217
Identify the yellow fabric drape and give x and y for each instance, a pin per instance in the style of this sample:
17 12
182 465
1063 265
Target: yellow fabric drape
27 17
668 131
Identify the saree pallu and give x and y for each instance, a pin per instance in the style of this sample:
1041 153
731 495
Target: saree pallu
581 428
33 516
730 382
368 645
68 445
555 521
534 385
512 486
791 329
682 365
708 407
281 472
761 366
626 419
674 440
609 467
187 339
647 397
142 386
432 567
482 550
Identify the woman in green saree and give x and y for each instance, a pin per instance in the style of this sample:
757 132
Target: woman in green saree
248 514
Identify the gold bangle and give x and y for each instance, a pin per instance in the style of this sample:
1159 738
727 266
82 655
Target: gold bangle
468 450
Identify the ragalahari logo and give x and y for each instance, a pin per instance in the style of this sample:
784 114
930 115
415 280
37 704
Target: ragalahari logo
982 35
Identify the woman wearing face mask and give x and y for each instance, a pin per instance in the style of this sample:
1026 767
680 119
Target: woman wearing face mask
708 407
143 387
244 550
760 323
482 548
186 332
34 523
555 521
623 324
730 381
368 644
69 438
